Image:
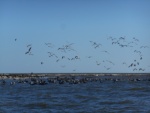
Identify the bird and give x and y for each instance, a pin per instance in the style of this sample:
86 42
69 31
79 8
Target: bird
15 39
76 57
105 52
110 62
123 45
124 63
107 68
140 69
144 47
131 65
49 45
96 45
68 47
134 69
57 60
28 50
52 54
29 45
111 38
89 57
122 38
62 49
135 39
98 63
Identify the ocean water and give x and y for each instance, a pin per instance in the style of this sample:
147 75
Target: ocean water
95 96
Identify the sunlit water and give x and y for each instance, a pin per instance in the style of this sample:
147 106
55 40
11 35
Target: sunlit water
106 96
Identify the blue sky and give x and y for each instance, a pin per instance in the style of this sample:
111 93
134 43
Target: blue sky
62 22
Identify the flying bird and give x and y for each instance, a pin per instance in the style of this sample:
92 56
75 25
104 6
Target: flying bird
98 63
144 47
29 45
28 50
105 52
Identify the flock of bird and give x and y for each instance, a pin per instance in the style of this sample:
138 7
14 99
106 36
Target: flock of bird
120 42
15 79
135 64
64 49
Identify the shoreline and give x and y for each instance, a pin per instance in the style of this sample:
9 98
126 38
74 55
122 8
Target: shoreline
71 78
41 75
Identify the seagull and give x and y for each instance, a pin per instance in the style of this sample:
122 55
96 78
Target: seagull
123 45
68 46
98 63
63 57
135 39
15 39
107 68
96 45
74 70
131 65
113 43
52 54
111 38
105 51
57 60
28 50
122 38
76 57
124 63
29 45
89 57
49 45
134 69
110 62
62 49
144 47
140 69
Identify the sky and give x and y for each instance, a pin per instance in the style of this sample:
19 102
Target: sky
74 36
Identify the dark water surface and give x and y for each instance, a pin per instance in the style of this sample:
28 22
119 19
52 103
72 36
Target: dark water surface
96 96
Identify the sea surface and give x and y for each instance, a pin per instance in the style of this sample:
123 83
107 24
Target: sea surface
96 96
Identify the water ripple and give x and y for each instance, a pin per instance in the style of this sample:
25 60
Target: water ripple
108 96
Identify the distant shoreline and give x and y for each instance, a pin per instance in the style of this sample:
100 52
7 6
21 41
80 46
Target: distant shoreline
30 75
